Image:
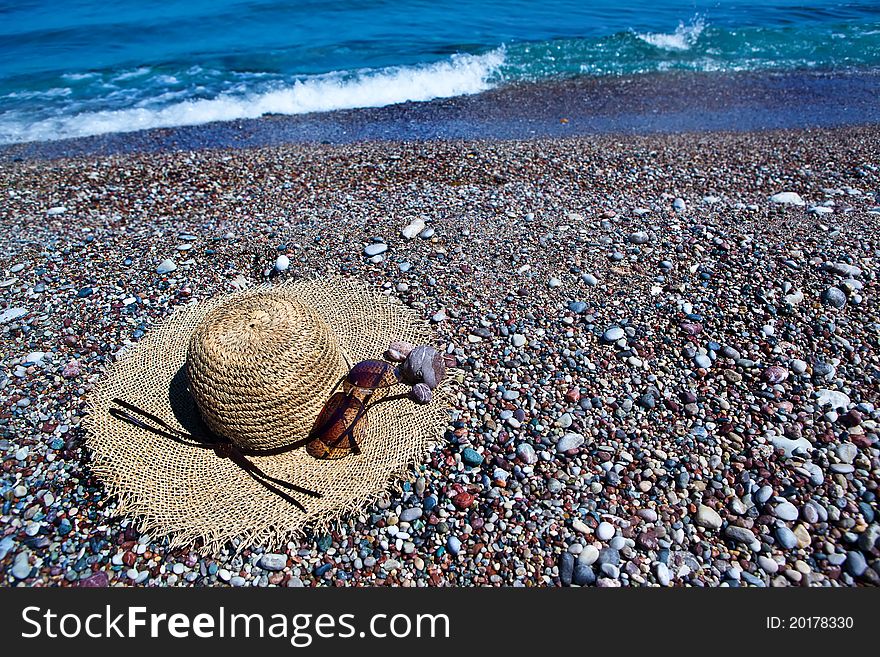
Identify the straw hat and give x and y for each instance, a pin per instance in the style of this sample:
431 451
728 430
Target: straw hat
254 368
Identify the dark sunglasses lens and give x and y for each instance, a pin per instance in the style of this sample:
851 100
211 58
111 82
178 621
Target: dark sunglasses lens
340 425
372 374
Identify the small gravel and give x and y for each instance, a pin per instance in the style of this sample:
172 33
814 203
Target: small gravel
666 372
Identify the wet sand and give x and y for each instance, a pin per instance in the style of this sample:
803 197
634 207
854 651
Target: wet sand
665 103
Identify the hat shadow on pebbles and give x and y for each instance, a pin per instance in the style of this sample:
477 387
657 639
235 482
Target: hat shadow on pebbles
195 497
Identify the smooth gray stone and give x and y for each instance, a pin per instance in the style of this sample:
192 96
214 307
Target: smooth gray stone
855 563
584 575
786 511
740 534
566 568
375 249
786 538
834 297
21 567
166 266
613 334
569 441
273 562
413 513
608 555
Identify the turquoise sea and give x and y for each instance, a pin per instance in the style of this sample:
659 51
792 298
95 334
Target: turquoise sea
80 67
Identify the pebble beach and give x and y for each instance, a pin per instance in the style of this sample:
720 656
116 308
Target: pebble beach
668 351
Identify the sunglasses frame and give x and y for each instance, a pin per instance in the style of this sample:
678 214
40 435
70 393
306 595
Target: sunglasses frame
353 394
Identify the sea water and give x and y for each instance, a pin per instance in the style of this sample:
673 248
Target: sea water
71 68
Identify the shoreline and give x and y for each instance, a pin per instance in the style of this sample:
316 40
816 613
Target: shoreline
668 378
667 103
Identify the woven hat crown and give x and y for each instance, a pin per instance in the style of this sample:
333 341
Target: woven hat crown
259 369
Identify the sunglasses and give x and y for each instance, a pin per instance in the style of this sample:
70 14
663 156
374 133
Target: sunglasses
342 422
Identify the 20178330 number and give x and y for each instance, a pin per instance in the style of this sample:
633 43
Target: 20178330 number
809 623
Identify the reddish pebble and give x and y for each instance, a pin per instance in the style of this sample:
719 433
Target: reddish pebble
71 370
647 541
851 419
775 374
129 558
96 580
573 395
463 500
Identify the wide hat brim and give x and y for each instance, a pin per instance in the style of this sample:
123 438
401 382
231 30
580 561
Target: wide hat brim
196 497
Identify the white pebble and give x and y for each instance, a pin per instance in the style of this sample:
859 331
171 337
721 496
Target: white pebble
605 531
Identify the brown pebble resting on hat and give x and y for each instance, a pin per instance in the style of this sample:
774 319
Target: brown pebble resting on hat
255 367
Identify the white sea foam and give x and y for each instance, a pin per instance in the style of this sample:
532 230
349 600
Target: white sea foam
457 76
78 76
56 92
128 75
684 37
